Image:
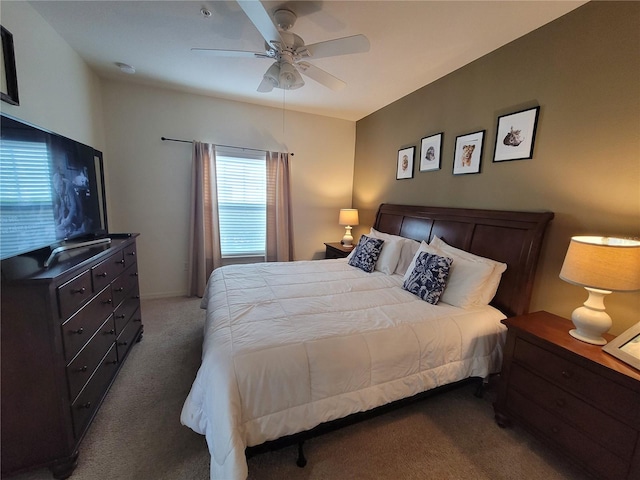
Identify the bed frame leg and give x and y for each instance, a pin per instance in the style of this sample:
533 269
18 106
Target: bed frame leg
479 393
301 461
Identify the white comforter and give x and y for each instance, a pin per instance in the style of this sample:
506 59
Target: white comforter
290 345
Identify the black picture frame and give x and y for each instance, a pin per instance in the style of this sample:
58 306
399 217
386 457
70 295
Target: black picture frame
404 168
516 135
9 81
626 346
431 152
467 157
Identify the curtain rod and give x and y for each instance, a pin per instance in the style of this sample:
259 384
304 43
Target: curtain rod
217 144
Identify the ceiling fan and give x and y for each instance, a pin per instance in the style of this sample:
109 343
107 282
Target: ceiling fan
289 50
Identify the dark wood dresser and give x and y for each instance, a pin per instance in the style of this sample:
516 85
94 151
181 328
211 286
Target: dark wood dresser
572 395
66 331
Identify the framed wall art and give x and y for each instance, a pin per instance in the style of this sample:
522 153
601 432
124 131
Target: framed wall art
515 135
626 346
431 152
405 163
468 153
8 78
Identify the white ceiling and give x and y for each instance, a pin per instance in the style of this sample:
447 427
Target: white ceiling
413 43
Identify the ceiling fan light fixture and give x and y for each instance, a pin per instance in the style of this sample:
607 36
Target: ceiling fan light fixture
272 75
290 78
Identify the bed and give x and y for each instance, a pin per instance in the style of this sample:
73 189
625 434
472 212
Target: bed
290 347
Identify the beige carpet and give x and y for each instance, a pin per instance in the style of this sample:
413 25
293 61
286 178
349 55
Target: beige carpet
137 432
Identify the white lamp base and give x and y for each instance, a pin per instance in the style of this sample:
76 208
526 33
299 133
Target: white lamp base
347 240
591 320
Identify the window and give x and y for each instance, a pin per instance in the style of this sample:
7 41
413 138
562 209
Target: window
242 202
25 189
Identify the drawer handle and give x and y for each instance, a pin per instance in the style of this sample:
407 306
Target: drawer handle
79 331
107 301
120 289
85 405
136 297
566 374
80 290
123 344
82 369
110 332
120 262
134 274
555 429
137 319
103 274
132 254
112 362
120 316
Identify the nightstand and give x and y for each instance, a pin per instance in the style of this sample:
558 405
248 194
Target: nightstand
578 399
337 250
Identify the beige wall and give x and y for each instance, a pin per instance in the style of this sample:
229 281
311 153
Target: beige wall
149 180
56 88
584 72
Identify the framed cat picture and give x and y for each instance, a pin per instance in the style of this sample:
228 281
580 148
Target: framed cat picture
515 135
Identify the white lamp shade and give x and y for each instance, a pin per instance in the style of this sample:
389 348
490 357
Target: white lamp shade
604 263
348 216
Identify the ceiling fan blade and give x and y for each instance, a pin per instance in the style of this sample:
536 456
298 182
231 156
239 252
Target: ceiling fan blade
339 46
213 52
261 19
321 76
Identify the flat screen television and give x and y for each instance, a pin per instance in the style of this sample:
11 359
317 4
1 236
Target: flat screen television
51 189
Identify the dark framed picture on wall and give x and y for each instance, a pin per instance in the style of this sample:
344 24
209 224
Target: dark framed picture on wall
8 78
405 163
468 153
431 152
515 135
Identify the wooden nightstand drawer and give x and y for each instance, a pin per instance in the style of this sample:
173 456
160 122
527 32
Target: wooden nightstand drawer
337 250
580 446
610 433
577 379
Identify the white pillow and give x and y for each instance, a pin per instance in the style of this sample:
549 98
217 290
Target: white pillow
409 248
490 285
390 254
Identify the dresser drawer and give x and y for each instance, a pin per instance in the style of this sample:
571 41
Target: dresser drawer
124 283
127 336
604 393
77 331
73 294
571 440
605 430
84 407
125 310
130 255
86 362
104 272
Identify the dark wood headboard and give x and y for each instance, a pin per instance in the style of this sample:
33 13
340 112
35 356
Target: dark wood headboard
514 238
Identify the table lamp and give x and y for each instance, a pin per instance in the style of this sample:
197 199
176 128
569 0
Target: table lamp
348 217
601 265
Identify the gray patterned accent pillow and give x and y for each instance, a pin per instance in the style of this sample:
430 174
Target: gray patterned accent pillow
366 253
429 277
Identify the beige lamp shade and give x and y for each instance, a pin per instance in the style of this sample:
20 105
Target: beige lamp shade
604 263
348 216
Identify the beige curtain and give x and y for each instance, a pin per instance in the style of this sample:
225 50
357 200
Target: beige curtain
279 224
204 241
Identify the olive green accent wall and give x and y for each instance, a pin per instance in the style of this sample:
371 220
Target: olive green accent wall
583 70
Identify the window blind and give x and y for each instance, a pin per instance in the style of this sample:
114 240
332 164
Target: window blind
242 202
25 188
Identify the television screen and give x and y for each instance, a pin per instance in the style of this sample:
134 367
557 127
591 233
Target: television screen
51 189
